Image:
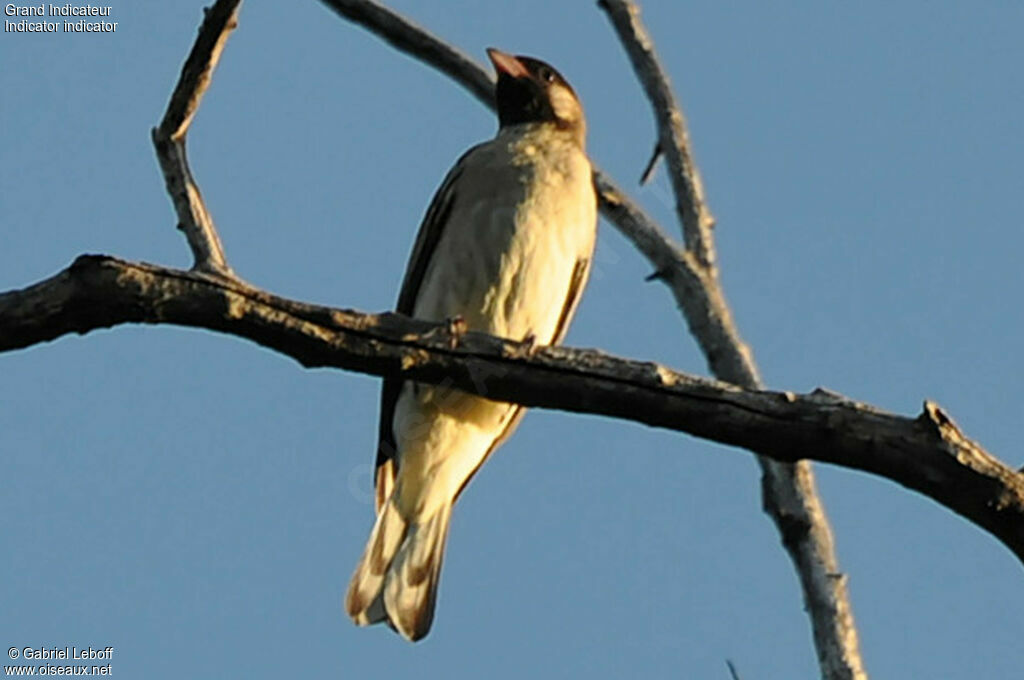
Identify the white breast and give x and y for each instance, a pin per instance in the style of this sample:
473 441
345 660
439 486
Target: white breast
524 213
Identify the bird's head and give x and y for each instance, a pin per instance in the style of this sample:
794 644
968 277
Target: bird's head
531 91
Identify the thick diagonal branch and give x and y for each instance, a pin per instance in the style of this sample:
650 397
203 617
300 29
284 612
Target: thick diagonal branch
789 492
928 454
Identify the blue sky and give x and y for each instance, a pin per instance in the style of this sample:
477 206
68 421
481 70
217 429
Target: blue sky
198 502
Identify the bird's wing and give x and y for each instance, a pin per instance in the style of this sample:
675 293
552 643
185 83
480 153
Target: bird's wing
577 282
422 253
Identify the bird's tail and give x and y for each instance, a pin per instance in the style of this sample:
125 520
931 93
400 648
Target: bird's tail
396 579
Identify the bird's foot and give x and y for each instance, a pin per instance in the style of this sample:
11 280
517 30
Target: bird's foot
529 347
456 329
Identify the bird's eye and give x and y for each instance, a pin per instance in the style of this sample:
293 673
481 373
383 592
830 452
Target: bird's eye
546 74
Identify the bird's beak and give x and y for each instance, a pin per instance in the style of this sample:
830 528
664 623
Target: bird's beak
506 63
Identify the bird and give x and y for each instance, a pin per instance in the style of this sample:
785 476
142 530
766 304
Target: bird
505 248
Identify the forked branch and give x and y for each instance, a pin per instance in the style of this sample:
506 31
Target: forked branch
194 219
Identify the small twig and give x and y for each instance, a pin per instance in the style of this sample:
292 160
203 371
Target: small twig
648 172
732 670
194 219
656 275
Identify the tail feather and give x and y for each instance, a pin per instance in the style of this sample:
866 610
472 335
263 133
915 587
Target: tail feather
364 590
410 590
396 580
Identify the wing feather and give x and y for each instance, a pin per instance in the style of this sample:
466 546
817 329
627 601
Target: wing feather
423 250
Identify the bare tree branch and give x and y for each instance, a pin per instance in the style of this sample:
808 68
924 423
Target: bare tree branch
673 137
405 36
194 219
928 454
789 492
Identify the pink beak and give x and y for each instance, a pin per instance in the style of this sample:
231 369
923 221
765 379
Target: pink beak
506 63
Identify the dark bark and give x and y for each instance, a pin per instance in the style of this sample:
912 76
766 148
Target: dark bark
928 453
